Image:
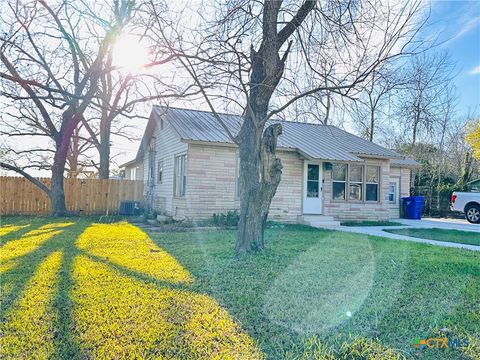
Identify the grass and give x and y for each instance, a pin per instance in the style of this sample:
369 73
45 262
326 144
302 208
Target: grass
79 289
456 236
371 223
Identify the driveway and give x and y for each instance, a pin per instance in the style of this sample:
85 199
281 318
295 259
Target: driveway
441 223
450 224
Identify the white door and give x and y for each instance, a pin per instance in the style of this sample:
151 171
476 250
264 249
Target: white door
394 198
312 188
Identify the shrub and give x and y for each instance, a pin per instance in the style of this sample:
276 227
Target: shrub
228 219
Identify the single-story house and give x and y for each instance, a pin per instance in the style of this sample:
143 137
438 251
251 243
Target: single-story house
133 170
191 170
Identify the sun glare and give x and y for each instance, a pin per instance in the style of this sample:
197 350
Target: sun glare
129 53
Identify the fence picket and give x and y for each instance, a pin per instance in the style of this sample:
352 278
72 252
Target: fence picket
83 196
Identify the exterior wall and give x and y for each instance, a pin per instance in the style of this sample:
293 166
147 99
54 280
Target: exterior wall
212 183
167 146
134 172
358 211
404 175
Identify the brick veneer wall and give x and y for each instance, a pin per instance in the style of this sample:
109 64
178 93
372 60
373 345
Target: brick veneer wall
212 183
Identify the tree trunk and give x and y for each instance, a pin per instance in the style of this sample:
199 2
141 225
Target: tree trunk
256 192
57 192
104 149
372 125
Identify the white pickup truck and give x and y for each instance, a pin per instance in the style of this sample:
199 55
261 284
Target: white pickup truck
468 203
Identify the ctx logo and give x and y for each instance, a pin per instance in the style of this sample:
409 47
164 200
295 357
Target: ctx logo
439 343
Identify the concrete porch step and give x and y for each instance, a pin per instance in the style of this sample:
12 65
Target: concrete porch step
318 220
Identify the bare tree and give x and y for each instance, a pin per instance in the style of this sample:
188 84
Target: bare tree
429 76
52 57
373 104
258 55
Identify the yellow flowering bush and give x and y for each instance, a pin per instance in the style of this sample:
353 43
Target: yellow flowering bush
473 138
27 331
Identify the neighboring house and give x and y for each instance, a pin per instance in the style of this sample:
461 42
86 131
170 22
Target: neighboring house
133 170
191 170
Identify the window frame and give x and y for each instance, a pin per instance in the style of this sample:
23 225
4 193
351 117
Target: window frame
180 170
152 154
395 196
361 183
379 172
160 171
344 182
364 183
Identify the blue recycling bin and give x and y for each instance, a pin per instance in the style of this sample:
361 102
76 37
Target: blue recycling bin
413 207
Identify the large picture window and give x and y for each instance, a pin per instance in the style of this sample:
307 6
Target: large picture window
361 181
180 178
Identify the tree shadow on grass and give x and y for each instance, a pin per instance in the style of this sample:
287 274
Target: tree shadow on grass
24 268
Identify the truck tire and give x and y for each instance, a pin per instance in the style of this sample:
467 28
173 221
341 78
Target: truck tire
472 213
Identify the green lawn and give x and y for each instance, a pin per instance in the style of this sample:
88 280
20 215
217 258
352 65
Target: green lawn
456 236
74 289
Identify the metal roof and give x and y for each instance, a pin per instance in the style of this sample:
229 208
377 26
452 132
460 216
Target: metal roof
325 142
406 162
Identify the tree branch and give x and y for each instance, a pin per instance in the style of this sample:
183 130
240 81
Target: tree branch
27 176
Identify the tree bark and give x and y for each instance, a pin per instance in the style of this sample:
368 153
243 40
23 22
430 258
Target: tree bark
57 191
372 125
104 153
260 169
256 192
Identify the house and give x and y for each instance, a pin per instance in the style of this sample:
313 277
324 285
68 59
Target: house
191 170
133 170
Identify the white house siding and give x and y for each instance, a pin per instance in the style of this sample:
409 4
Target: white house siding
134 171
358 211
167 146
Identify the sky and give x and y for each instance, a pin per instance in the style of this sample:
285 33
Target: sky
456 27
454 24
457 24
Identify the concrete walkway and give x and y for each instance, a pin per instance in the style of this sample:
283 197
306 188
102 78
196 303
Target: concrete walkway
424 223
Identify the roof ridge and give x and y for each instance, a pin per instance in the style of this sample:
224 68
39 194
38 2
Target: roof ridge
197 110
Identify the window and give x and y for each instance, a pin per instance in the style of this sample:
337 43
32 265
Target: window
180 178
160 171
372 180
339 177
361 181
151 163
392 193
355 184
313 177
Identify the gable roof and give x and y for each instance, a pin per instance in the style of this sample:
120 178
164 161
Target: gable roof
324 142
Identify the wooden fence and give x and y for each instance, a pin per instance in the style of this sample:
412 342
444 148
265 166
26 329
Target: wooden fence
18 196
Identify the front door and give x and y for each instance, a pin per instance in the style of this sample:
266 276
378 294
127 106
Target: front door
312 189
